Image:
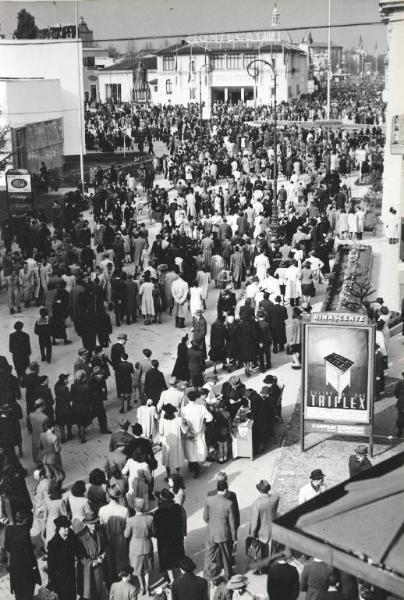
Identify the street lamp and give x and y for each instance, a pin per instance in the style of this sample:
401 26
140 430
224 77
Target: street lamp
253 71
204 66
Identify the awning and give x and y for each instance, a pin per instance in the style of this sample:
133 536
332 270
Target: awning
356 526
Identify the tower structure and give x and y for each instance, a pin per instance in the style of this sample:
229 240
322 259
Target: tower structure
275 22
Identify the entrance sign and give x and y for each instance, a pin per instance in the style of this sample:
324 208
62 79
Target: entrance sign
338 374
19 191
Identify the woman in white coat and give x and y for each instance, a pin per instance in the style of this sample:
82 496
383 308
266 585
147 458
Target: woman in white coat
352 224
171 430
195 298
293 286
195 416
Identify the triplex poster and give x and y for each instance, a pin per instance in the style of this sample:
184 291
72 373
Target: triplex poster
338 373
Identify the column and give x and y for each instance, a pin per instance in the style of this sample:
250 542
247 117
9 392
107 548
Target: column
226 94
242 94
392 12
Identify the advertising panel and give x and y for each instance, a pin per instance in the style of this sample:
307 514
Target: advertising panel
338 369
19 191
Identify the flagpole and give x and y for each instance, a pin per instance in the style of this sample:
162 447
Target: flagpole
329 63
80 99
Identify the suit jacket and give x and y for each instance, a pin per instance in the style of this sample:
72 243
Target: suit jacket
154 384
232 496
50 447
19 344
190 586
277 317
218 513
263 513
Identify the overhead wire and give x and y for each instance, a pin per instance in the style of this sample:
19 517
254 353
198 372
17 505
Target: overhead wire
196 34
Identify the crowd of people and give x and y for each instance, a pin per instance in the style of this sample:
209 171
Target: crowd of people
221 224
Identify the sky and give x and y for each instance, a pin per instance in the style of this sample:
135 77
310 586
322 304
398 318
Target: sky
127 18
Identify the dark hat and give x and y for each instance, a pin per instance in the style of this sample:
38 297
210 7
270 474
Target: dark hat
61 521
63 376
266 390
270 379
317 474
18 325
83 351
34 366
162 267
96 369
90 517
122 336
187 564
362 449
212 572
263 486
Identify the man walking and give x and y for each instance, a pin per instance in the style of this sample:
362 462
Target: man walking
221 536
20 348
263 513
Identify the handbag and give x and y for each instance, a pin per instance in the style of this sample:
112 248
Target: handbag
253 548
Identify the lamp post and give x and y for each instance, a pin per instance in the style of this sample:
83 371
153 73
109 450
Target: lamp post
204 66
253 71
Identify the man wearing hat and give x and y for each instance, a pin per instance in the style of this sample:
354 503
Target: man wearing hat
117 353
180 291
277 316
97 389
359 461
30 381
314 488
200 328
189 585
20 348
82 363
264 343
121 437
263 513
62 560
92 546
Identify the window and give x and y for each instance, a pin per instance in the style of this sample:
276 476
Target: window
113 91
169 86
156 88
89 61
234 61
247 58
168 63
217 61
289 91
297 89
192 93
93 92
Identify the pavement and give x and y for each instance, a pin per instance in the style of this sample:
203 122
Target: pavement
282 463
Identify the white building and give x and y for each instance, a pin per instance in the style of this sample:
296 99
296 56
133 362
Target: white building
116 81
45 60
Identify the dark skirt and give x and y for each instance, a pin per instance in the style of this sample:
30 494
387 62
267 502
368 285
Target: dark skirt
308 289
170 553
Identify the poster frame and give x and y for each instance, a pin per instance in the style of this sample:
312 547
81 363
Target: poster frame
340 427
28 197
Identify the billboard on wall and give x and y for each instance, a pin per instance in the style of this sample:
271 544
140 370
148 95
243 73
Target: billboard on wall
19 191
338 369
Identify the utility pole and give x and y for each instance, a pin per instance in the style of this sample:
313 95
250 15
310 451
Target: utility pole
329 63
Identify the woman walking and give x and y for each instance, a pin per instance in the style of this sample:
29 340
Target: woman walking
169 529
139 531
139 478
171 429
146 293
81 406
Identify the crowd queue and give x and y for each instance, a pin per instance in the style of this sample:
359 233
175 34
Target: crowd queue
217 227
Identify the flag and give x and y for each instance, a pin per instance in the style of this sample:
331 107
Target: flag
190 64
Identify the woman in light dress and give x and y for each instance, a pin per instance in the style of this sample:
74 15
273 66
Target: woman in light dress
139 478
293 287
196 299
171 429
146 293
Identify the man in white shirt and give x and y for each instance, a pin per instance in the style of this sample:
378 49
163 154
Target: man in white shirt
171 396
314 488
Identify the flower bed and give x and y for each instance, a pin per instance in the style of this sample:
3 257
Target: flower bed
350 278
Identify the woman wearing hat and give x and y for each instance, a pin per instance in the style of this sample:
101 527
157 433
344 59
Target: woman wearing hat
62 560
237 588
181 371
171 430
169 529
93 574
139 532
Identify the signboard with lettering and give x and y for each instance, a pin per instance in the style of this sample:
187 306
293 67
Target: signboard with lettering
19 191
338 375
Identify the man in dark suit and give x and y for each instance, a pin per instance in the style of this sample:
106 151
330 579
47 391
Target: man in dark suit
30 382
154 382
20 348
359 461
232 496
263 513
266 305
277 317
200 328
189 585
221 536
121 437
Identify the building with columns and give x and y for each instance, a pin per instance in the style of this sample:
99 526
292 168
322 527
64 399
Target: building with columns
392 286
213 68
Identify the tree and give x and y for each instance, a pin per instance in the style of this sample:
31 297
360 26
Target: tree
26 28
131 49
113 52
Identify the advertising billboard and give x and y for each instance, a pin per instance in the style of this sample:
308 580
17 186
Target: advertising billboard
338 373
19 191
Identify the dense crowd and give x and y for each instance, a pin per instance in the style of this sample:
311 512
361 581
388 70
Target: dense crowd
222 224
